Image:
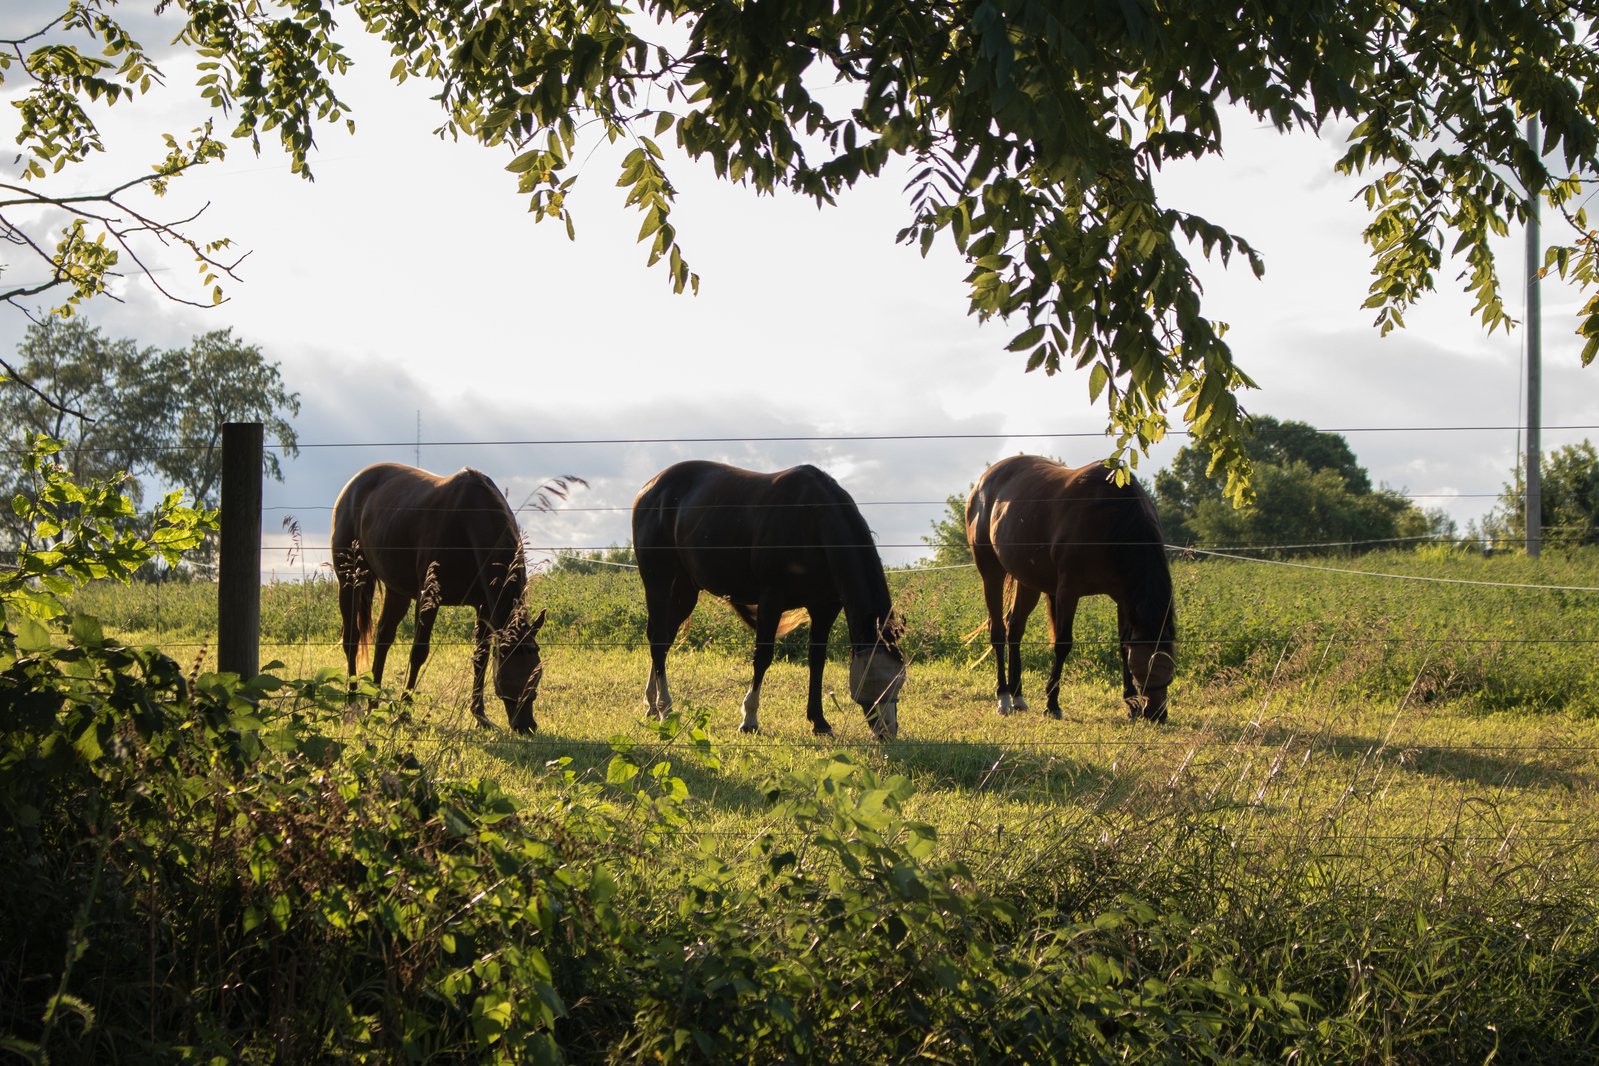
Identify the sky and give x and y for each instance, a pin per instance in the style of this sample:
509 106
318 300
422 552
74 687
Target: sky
423 316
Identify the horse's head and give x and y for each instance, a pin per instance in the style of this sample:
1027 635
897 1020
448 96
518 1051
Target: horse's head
517 670
1150 664
876 674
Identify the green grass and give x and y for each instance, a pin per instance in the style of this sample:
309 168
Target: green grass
1488 645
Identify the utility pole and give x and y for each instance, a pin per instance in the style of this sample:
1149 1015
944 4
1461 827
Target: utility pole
1534 478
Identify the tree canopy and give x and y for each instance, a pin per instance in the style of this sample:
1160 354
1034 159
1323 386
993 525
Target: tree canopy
946 538
1309 490
1033 132
1568 480
120 409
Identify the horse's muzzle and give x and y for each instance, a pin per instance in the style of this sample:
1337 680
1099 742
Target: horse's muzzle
521 718
883 719
1151 707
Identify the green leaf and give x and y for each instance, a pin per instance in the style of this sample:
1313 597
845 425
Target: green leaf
1098 378
31 636
620 771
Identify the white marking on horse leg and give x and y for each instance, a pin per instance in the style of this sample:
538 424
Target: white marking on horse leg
657 698
1005 704
1018 702
752 706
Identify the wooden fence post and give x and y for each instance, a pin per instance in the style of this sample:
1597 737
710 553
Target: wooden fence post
239 557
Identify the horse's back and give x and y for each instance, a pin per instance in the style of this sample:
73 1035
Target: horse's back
401 518
1047 524
741 533
720 501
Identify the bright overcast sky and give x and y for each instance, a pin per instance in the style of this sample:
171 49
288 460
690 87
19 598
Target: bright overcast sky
408 282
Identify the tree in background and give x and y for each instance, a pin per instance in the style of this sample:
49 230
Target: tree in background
1309 489
100 398
215 380
1568 496
948 535
598 560
1032 131
121 409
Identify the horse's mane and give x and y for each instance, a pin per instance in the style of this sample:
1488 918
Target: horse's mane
1135 524
852 552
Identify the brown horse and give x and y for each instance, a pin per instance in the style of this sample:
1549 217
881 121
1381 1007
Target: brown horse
768 544
1038 527
441 541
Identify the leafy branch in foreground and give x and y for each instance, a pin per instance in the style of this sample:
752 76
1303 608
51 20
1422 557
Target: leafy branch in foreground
1033 133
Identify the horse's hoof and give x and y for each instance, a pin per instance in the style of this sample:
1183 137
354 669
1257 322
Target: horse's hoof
746 728
821 729
1018 704
483 721
1052 712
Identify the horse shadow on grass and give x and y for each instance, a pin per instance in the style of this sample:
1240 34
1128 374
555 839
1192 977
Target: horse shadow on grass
1487 765
588 759
1011 773
1007 772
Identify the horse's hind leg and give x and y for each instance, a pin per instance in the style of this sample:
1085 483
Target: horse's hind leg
1015 627
767 617
1062 612
394 607
993 576
667 605
355 605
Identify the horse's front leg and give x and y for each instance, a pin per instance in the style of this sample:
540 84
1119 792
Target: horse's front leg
482 635
1130 693
1063 611
667 603
822 619
767 617
426 611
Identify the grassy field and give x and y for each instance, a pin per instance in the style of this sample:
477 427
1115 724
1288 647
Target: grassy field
1376 793
1380 714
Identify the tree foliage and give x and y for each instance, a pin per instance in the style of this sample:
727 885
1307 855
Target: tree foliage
947 535
1032 133
1309 489
120 409
1568 484
96 396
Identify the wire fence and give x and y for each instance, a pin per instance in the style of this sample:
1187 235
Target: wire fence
971 644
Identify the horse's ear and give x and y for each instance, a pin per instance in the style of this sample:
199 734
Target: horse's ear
539 621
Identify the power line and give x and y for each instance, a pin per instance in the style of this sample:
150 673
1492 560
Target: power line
797 438
803 438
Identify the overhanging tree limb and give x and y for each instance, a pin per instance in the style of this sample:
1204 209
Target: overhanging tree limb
1051 120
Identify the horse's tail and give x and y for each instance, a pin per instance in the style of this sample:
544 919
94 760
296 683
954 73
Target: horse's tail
363 625
786 624
356 592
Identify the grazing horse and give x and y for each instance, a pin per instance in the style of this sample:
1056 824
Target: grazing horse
1037 527
768 544
441 541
